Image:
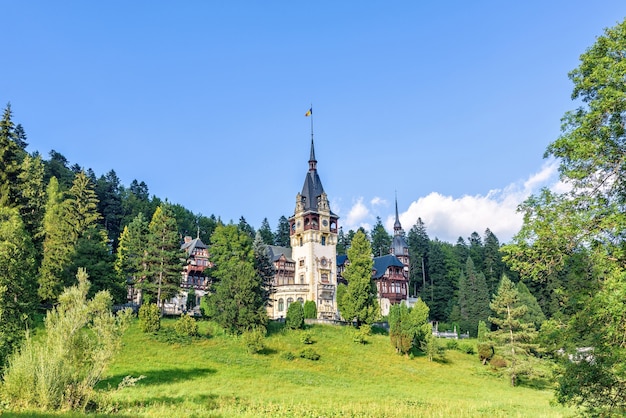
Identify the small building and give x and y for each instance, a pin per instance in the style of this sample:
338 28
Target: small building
194 282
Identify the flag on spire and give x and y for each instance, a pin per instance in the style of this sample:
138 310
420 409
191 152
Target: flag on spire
309 112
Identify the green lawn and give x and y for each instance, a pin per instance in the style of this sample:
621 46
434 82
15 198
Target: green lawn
215 377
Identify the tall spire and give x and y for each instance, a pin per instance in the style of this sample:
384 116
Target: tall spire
312 160
397 227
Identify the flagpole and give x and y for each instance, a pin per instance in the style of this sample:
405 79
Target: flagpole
311 108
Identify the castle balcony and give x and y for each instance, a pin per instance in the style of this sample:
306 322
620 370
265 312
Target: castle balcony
289 288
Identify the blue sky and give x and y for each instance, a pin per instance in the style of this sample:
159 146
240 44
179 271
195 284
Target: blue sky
448 104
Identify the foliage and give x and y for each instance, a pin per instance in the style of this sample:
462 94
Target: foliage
408 327
17 289
60 370
254 340
381 240
588 219
295 316
486 352
281 236
306 338
186 325
310 309
264 268
237 302
149 317
163 256
533 314
10 156
131 262
309 354
482 331
419 248
359 302
431 347
361 335
513 338
473 298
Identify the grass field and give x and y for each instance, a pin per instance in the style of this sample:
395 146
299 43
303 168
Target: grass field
214 376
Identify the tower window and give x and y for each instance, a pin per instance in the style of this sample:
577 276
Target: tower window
323 240
289 302
281 305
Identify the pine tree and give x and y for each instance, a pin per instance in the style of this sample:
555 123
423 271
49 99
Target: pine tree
264 268
359 302
81 206
10 158
266 232
419 244
32 198
246 228
18 293
163 256
534 314
236 302
514 338
493 267
131 259
473 298
109 193
342 248
58 245
381 240
281 236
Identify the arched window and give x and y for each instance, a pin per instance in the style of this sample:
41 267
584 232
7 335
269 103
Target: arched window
289 302
301 301
324 277
281 305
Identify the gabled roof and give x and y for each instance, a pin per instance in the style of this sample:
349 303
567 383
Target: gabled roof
381 264
191 245
274 252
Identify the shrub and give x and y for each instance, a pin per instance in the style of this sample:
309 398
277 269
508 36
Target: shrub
310 310
482 331
498 362
295 316
309 354
186 326
288 355
361 334
452 344
254 340
431 347
485 352
60 369
306 338
466 348
149 317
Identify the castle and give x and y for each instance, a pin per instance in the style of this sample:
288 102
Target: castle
311 268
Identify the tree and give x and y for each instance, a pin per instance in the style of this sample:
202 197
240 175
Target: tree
81 207
264 268
56 166
310 310
493 267
342 248
131 258
588 219
60 369
58 245
513 337
163 256
236 302
473 298
359 302
419 245
381 240
534 314
10 154
246 228
109 193
295 316
266 232
409 327
32 197
17 289
281 236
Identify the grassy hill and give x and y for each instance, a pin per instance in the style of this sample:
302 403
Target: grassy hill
215 376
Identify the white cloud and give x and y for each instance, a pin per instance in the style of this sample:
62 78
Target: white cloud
377 201
448 217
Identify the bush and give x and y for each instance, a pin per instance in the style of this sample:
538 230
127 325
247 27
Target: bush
306 338
60 369
466 348
295 316
498 362
485 352
288 355
310 310
452 344
361 334
254 340
309 354
186 326
149 317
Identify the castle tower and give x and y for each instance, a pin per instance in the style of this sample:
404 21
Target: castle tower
313 235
